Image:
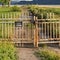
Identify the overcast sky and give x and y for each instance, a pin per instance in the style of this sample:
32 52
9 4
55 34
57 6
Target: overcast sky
22 0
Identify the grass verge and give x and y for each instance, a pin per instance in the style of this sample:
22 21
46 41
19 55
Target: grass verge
47 54
7 51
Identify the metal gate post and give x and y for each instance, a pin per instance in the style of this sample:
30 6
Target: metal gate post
36 32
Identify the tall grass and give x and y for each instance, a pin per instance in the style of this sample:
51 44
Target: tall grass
7 51
46 54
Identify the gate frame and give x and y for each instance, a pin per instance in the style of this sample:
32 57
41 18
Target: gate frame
36 32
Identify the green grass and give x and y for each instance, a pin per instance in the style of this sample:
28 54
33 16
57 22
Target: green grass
5 9
7 51
8 10
47 54
9 14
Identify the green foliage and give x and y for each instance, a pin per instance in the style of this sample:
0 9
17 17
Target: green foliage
10 9
7 51
37 11
5 9
30 25
46 54
15 9
4 2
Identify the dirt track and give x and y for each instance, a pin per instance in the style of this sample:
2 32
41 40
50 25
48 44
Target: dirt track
26 54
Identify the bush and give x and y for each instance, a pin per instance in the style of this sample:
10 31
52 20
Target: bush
7 51
15 9
37 11
46 54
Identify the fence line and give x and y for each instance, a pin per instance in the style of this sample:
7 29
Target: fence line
49 27
13 16
49 30
18 15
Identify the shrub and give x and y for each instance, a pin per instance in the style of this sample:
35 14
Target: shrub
15 9
37 11
7 51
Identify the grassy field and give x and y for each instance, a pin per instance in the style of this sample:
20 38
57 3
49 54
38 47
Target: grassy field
9 12
9 9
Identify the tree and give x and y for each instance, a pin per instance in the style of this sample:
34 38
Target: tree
9 1
4 2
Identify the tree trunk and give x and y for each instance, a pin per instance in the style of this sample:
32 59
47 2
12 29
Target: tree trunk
9 4
2 4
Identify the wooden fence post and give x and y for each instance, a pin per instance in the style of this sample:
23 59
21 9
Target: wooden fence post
36 32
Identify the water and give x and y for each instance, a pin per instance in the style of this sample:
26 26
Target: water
40 2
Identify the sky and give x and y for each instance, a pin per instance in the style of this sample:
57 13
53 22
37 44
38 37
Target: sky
22 0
